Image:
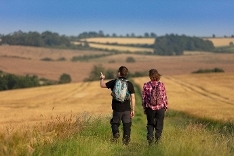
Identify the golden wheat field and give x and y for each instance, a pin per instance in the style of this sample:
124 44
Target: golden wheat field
121 40
121 48
218 42
202 95
36 105
38 53
95 43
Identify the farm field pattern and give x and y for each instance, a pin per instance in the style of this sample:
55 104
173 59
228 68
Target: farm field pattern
36 105
199 95
202 95
22 60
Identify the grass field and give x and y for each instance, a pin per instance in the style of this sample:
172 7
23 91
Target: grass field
58 120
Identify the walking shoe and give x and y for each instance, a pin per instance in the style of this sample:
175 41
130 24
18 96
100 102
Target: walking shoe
115 137
150 140
126 140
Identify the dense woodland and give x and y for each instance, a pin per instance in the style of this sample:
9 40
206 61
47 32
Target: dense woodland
175 44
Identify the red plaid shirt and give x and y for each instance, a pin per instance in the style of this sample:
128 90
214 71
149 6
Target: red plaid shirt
147 87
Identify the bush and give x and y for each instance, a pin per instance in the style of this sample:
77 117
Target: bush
215 70
47 59
95 73
64 78
130 59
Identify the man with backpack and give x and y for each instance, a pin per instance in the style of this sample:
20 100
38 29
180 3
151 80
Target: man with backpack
154 102
123 103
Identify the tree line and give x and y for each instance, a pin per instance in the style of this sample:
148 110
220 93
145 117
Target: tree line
45 39
11 81
175 44
164 45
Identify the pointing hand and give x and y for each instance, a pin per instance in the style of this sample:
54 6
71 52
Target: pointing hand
102 76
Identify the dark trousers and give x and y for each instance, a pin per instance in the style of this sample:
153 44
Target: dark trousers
125 117
155 119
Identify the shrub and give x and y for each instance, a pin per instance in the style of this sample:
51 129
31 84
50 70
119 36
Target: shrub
130 59
64 78
95 73
46 59
215 70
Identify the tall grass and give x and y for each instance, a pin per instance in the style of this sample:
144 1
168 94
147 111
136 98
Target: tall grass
89 135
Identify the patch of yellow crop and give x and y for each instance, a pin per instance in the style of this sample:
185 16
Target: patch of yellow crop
202 95
121 48
120 40
45 103
221 41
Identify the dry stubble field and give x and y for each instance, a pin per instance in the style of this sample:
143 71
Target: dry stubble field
27 60
37 105
201 94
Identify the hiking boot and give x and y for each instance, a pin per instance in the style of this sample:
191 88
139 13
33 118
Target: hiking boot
115 137
150 140
126 140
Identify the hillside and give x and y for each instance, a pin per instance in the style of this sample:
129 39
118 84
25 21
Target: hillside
36 105
195 93
22 60
63 123
188 93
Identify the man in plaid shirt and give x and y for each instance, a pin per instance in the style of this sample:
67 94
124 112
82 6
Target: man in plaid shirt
154 111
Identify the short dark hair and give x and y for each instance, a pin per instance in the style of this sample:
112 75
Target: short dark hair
123 71
154 75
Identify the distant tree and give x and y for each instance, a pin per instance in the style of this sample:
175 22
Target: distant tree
153 35
47 38
146 34
101 33
64 78
95 73
110 74
132 35
114 35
